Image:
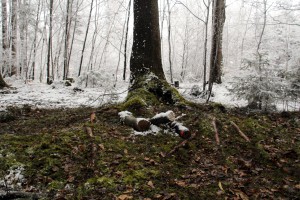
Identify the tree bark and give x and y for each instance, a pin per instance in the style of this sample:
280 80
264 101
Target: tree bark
67 37
216 57
146 49
126 41
14 28
85 38
49 43
5 45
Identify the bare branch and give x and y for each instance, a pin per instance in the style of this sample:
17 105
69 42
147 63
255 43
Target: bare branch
179 2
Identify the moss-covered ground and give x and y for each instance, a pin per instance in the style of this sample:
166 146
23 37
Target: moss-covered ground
62 161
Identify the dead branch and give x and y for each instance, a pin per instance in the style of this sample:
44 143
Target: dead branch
214 124
240 132
88 131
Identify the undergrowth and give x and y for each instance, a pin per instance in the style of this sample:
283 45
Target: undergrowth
62 161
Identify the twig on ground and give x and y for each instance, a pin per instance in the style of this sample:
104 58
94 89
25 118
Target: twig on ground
214 124
240 132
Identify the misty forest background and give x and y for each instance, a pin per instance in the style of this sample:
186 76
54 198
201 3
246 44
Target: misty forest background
91 41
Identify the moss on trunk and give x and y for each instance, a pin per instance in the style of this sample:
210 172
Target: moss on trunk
149 90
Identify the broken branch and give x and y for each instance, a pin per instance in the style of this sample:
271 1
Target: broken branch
214 124
240 132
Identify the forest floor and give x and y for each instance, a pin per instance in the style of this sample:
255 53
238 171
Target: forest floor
49 154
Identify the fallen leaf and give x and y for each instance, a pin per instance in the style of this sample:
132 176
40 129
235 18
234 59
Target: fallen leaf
150 184
241 195
125 151
124 197
93 117
180 183
157 196
220 186
102 147
297 186
71 179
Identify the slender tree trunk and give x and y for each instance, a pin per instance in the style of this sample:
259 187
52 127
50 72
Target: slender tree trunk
14 36
67 37
146 49
32 71
23 26
4 41
5 46
169 41
126 40
205 44
74 29
85 38
216 59
216 56
49 43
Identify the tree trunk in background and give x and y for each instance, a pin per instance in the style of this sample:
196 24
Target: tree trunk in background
2 82
14 37
205 44
169 41
85 38
126 41
216 57
36 28
49 43
5 46
23 26
146 49
67 37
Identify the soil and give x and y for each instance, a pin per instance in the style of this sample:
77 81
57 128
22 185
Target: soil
62 160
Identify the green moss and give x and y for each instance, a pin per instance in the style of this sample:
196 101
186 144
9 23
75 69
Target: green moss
56 185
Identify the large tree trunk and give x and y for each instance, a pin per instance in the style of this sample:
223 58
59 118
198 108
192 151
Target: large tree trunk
148 82
146 49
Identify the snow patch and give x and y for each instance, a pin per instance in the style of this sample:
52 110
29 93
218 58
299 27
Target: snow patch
15 178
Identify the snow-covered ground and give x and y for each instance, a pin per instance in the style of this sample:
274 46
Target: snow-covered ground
58 95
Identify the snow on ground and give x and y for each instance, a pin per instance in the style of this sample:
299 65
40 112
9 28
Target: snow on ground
57 95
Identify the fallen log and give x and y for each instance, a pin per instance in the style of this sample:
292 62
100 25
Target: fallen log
19 195
163 118
181 130
138 124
